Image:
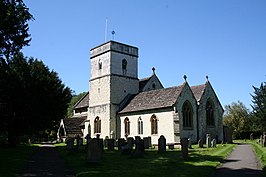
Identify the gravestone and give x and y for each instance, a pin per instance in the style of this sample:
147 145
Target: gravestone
120 143
208 140
161 144
139 147
200 143
130 142
105 141
184 147
70 144
79 142
264 140
213 143
189 143
228 134
94 151
251 136
146 143
261 140
110 144
149 138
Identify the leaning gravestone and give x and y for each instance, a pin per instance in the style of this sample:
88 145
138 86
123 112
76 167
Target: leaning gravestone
184 147
161 144
94 152
213 143
189 143
208 140
200 143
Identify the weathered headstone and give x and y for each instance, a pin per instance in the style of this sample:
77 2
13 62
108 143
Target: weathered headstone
161 144
213 143
251 136
70 144
110 144
149 138
79 142
264 140
228 134
189 143
139 148
184 147
130 142
120 143
94 152
200 143
208 140
105 141
146 143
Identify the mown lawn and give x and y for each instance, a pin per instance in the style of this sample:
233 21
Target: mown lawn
201 163
13 159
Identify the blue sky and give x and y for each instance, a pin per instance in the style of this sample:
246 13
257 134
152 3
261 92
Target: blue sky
225 40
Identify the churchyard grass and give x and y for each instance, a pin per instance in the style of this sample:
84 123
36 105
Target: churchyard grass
201 163
13 159
260 152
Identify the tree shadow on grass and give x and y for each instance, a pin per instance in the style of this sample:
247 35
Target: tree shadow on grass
153 164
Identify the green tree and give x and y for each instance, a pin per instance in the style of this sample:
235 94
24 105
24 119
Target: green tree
237 118
34 98
259 107
74 100
14 17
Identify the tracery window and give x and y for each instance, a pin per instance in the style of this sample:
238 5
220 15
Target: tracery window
127 126
97 125
210 113
187 115
154 125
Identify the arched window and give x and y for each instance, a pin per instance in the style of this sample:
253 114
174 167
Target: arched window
140 126
210 113
127 126
154 125
97 125
124 66
187 115
100 64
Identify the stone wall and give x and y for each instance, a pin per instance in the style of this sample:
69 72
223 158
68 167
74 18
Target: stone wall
217 130
187 95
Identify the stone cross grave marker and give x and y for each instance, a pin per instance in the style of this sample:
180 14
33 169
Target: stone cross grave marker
139 148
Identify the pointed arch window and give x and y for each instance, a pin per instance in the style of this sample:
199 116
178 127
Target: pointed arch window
154 125
97 125
127 126
100 64
124 66
210 113
187 115
140 126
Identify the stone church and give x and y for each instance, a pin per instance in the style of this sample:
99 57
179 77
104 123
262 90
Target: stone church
120 105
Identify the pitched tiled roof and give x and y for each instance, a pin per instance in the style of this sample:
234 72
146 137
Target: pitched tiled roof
198 91
72 125
83 102
143 82
153 99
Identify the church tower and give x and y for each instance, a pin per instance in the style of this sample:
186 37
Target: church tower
113 76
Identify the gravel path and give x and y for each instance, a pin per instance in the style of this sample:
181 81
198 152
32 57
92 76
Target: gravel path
242 162
46 163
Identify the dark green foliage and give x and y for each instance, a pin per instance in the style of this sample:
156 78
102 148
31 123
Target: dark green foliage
73 101
14 16
33 98
237 118
259 106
